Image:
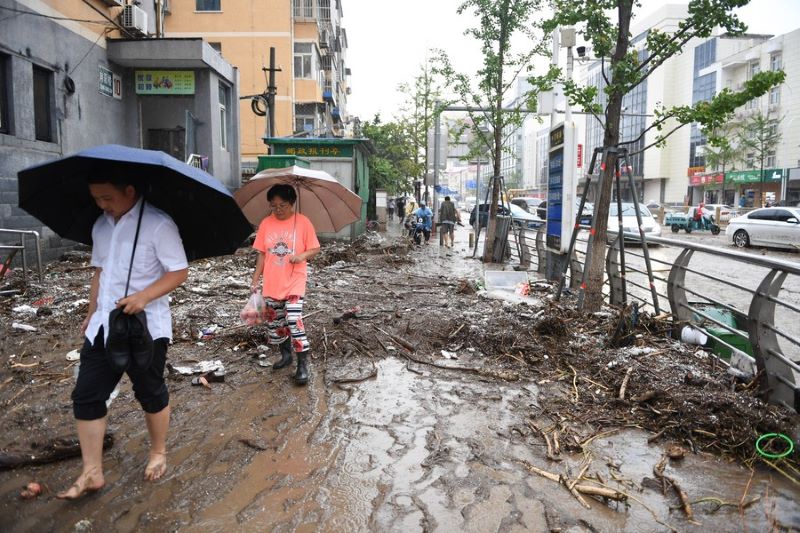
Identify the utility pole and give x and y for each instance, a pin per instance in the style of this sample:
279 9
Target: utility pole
270 94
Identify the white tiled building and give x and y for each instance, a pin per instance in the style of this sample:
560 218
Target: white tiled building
676 172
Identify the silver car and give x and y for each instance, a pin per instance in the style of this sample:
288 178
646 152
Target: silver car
772 226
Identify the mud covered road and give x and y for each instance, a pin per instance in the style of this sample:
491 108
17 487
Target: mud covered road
456 433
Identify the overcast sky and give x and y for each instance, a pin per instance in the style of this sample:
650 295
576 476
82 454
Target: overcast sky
388 42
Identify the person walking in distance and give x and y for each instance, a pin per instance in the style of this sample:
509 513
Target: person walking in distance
285 241
390 206
449 217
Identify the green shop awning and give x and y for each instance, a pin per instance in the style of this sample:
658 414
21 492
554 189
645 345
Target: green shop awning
754 176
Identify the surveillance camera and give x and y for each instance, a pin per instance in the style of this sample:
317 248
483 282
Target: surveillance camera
581 50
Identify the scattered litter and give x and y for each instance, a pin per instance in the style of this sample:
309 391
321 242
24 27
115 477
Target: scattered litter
23 327
24 310
641 351
74 355
449 355
113 395
208 333
201 367
31 491
78 303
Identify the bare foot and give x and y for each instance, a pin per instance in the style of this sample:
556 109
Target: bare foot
156 466
87 482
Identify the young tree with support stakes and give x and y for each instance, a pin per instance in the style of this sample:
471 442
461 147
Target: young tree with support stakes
760 137
606 25
484 93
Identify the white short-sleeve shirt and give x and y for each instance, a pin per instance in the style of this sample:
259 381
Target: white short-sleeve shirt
158 251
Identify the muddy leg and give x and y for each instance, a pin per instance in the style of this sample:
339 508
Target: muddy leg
157 426
90 435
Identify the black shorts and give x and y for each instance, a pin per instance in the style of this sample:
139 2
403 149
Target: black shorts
96 380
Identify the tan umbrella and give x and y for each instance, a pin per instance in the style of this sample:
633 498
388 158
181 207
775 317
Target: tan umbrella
327 203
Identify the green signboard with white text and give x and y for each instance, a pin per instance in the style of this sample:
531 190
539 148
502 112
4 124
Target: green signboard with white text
754 176
169 82
314 150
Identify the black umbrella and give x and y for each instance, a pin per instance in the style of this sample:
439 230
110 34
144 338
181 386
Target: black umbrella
207 216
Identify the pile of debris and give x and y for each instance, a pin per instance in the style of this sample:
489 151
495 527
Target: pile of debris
374 299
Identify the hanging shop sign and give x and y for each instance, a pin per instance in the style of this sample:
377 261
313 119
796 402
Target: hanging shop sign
754 176
165 82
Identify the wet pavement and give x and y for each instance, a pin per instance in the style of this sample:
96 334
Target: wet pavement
384 444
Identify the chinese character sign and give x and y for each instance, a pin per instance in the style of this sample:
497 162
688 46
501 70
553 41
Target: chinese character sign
164 82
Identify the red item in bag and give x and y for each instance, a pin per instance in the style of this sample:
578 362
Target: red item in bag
253 312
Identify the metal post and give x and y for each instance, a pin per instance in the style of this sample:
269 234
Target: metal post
645 251
621 238
271 91
437 132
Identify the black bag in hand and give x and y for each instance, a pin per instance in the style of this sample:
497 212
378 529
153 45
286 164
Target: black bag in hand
128 336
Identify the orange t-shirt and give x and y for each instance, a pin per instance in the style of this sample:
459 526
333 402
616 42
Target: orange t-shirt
279 240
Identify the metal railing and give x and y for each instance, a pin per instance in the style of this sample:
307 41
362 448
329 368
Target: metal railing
9 251
742 302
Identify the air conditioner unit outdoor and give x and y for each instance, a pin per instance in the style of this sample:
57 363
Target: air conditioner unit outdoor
323 39
134 19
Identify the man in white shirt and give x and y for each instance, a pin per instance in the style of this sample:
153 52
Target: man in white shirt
159 267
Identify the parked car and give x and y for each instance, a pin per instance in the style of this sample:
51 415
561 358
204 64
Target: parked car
726 212
519 216
586 219
469 203
629 222
525 219
770 226
527 203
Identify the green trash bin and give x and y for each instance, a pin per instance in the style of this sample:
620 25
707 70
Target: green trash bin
727 317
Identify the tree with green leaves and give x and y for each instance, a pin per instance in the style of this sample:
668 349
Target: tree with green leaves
722 150
759 138
487 93
418 112
394 161
606 25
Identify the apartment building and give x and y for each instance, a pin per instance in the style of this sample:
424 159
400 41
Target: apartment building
745 180
75 74
311 85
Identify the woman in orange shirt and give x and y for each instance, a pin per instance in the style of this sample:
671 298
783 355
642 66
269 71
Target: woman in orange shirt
285 241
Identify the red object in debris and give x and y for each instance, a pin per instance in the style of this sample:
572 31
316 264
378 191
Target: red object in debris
32 490
47 300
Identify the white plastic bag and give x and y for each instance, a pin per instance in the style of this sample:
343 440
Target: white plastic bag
253 312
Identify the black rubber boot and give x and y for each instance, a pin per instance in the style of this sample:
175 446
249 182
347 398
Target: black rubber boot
286 355
301 376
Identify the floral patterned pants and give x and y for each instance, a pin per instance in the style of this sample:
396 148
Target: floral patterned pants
284 320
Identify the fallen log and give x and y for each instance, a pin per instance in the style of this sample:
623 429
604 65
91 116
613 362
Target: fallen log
399 340
51 451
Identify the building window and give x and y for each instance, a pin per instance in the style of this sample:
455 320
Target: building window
216 46
304 64
750 160
770 161
324 9
775 95
42 104
224 103
775 62
755 68
5 95
304 9
304 123
208 5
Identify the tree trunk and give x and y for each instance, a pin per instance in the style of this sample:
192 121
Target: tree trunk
593 292
497 116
